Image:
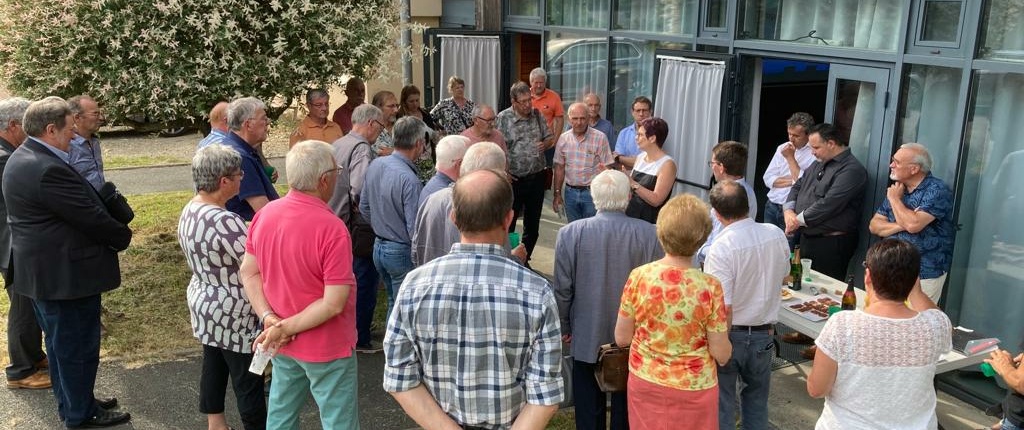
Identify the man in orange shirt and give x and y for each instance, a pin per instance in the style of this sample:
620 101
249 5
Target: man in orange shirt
549 104
315 125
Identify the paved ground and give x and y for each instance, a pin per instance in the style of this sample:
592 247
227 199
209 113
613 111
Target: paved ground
164 394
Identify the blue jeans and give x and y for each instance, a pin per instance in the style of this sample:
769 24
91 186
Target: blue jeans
751 362
333 384
578 204
393 261
72 330
367 279
773 214
1007 425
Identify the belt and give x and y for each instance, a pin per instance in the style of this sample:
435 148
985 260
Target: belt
382 239
579 187
829 234
749 328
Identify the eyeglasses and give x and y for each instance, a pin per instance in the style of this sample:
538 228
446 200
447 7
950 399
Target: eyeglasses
336 170
392 106
713 162
898 163
381 124
522 101
240 174
491 119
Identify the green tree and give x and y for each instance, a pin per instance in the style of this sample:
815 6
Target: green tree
168 60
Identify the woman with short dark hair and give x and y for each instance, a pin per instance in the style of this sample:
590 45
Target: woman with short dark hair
213 240
654 172
875 367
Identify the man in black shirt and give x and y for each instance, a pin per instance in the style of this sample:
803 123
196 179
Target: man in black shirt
825 203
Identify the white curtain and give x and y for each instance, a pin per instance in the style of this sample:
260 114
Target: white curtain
475 59
689 100
871 24
929 117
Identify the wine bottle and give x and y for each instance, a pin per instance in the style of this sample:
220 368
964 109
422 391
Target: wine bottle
796 271
850 296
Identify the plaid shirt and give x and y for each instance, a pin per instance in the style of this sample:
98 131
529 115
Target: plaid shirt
480 332
582 158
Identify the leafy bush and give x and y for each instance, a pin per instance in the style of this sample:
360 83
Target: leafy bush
167 60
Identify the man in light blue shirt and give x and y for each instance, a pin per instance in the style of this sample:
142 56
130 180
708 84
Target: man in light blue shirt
84 154
593 103
218 125
625 146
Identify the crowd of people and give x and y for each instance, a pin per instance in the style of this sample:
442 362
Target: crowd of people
426 203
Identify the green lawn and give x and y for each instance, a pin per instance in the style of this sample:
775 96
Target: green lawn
121 161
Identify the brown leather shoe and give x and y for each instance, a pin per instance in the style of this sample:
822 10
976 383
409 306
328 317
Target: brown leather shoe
37 381
43 364
808 353
797 338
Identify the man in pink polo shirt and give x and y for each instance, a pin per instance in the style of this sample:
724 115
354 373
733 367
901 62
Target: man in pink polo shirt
297 273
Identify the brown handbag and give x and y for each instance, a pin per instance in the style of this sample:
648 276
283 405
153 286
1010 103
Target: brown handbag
612 369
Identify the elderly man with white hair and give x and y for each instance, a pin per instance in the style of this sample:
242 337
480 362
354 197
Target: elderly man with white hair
918 208
593 258
435 231
297 274
248 125
449 154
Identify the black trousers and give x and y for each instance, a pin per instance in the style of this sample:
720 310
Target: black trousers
24 338
591 402
528 201
218 364
831 254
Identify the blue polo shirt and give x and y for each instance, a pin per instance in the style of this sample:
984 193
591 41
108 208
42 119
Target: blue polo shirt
626 143
254 183
935 241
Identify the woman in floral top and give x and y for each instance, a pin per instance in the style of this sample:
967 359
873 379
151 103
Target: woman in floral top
454 114
673 317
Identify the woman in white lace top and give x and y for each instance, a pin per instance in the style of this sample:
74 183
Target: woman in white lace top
875 366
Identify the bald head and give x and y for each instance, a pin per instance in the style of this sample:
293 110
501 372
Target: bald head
219 117
481 202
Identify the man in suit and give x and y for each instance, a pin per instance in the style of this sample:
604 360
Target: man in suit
24 338
66 244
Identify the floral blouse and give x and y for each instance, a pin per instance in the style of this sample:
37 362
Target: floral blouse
452 118
674 310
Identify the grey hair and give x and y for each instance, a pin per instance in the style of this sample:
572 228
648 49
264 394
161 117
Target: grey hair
243 109
610 190
314 94
12 109
75 103
450 149
802 119
408 129
538 73
921 155
306 162
518 89
365 113
482 156
211 163
51 110
478 109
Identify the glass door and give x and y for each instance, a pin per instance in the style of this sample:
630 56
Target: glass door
856 105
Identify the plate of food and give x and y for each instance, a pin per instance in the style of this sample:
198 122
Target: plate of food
787 294
814 308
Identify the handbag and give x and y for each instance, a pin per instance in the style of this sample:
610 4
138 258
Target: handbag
612 369
117 206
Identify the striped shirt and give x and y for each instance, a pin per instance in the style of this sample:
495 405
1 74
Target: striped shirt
480 332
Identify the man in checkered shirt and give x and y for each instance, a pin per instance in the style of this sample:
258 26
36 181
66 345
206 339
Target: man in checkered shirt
474 339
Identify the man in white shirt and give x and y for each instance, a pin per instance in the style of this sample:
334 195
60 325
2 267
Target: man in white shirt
787 165
728 163
750 260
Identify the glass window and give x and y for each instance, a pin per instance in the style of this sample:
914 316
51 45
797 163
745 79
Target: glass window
990 209
524 7
579 13
677 17
717 14
941 21
633 64
576 65
1004 31
927 115
869 24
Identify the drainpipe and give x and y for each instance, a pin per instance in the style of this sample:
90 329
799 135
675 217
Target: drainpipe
406 45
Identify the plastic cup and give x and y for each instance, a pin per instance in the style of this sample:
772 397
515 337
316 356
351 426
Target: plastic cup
987 370
513 239
805 265
833 309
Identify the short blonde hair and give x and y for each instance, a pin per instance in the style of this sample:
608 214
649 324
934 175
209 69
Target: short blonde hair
684 224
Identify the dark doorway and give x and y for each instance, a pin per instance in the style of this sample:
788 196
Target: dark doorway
787 86
526 55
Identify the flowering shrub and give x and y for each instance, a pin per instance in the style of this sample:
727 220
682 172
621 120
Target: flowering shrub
169 60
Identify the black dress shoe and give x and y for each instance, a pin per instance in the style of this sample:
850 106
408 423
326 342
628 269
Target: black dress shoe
107 403
104 418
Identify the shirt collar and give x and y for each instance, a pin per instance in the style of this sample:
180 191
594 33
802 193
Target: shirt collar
305 199
56 151
479 248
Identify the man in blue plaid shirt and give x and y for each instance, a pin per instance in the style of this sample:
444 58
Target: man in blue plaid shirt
474 339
